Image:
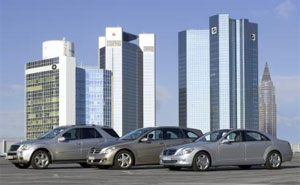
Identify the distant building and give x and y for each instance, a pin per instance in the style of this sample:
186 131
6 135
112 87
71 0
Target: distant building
93 96
50 89
232 71
267 104
194 79
133 77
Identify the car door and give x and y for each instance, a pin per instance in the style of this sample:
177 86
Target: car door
174 136
70 149
255 146
231 152
90 138
148 152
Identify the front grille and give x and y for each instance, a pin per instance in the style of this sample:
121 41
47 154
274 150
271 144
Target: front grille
95 150
169 152
14 148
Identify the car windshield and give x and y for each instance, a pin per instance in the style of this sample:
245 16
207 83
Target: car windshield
51 134
212 136
135 134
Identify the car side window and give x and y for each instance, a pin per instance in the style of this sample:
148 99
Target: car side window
234 137
173 133
90 133
72 134
190 134
254 136
155 135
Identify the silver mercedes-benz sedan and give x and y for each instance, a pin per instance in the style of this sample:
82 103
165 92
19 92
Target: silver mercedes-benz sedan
237 147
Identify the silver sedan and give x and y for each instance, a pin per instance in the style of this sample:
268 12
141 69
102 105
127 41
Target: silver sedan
238 147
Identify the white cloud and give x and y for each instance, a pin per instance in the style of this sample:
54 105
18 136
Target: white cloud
285 8
287 89
162 96
12 125
289 120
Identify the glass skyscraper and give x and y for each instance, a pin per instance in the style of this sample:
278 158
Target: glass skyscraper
233 74
93 96
50 89
132 66
267 105
194 79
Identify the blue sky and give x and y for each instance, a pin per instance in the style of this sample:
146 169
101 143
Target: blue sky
24 25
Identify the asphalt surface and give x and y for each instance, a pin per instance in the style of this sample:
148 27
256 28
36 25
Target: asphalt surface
74 174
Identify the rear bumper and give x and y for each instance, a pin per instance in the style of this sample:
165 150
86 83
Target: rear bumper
20 157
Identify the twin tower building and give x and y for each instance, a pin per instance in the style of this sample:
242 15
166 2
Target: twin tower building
119 93
218 81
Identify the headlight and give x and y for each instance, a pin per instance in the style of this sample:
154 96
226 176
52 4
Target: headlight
24 147
185 151
107 150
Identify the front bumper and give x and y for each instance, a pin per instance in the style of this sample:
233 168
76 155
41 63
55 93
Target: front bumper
176 160
20 157
100 159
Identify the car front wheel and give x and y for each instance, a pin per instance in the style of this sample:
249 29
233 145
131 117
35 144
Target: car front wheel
201 162
123 160
40 159
22 166
274 160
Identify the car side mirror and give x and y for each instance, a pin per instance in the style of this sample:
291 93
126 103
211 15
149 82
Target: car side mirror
61 139
144 140
225 141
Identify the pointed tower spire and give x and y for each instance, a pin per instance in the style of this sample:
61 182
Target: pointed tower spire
266 75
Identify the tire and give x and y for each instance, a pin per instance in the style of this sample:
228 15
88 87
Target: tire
244 167
103 166
22 166
274 160
174 168
85 165
123 160
40 159
201 162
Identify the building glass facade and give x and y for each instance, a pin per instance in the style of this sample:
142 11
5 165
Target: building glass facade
93 96
42 97
194 79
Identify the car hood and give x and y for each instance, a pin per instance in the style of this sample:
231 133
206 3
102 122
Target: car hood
190 145
114 143
34 141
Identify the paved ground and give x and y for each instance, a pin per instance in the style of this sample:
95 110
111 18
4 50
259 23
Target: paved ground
73 174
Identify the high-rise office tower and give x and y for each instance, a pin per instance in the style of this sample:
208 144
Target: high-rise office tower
233 73
194 79
267 105
126 60
50 89
93 96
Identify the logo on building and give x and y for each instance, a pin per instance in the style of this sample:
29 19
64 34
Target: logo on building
214 30
252 36
54 66
113 34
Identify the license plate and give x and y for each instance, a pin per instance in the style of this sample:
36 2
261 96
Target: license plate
167 159
11 157
91 158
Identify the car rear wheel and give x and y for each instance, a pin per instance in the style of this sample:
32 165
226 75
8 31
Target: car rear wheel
40 159
22 166
85 165
244 167
201 162
103 166
274 160
174 168
123 160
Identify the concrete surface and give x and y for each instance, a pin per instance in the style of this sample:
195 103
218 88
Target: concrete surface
74 174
